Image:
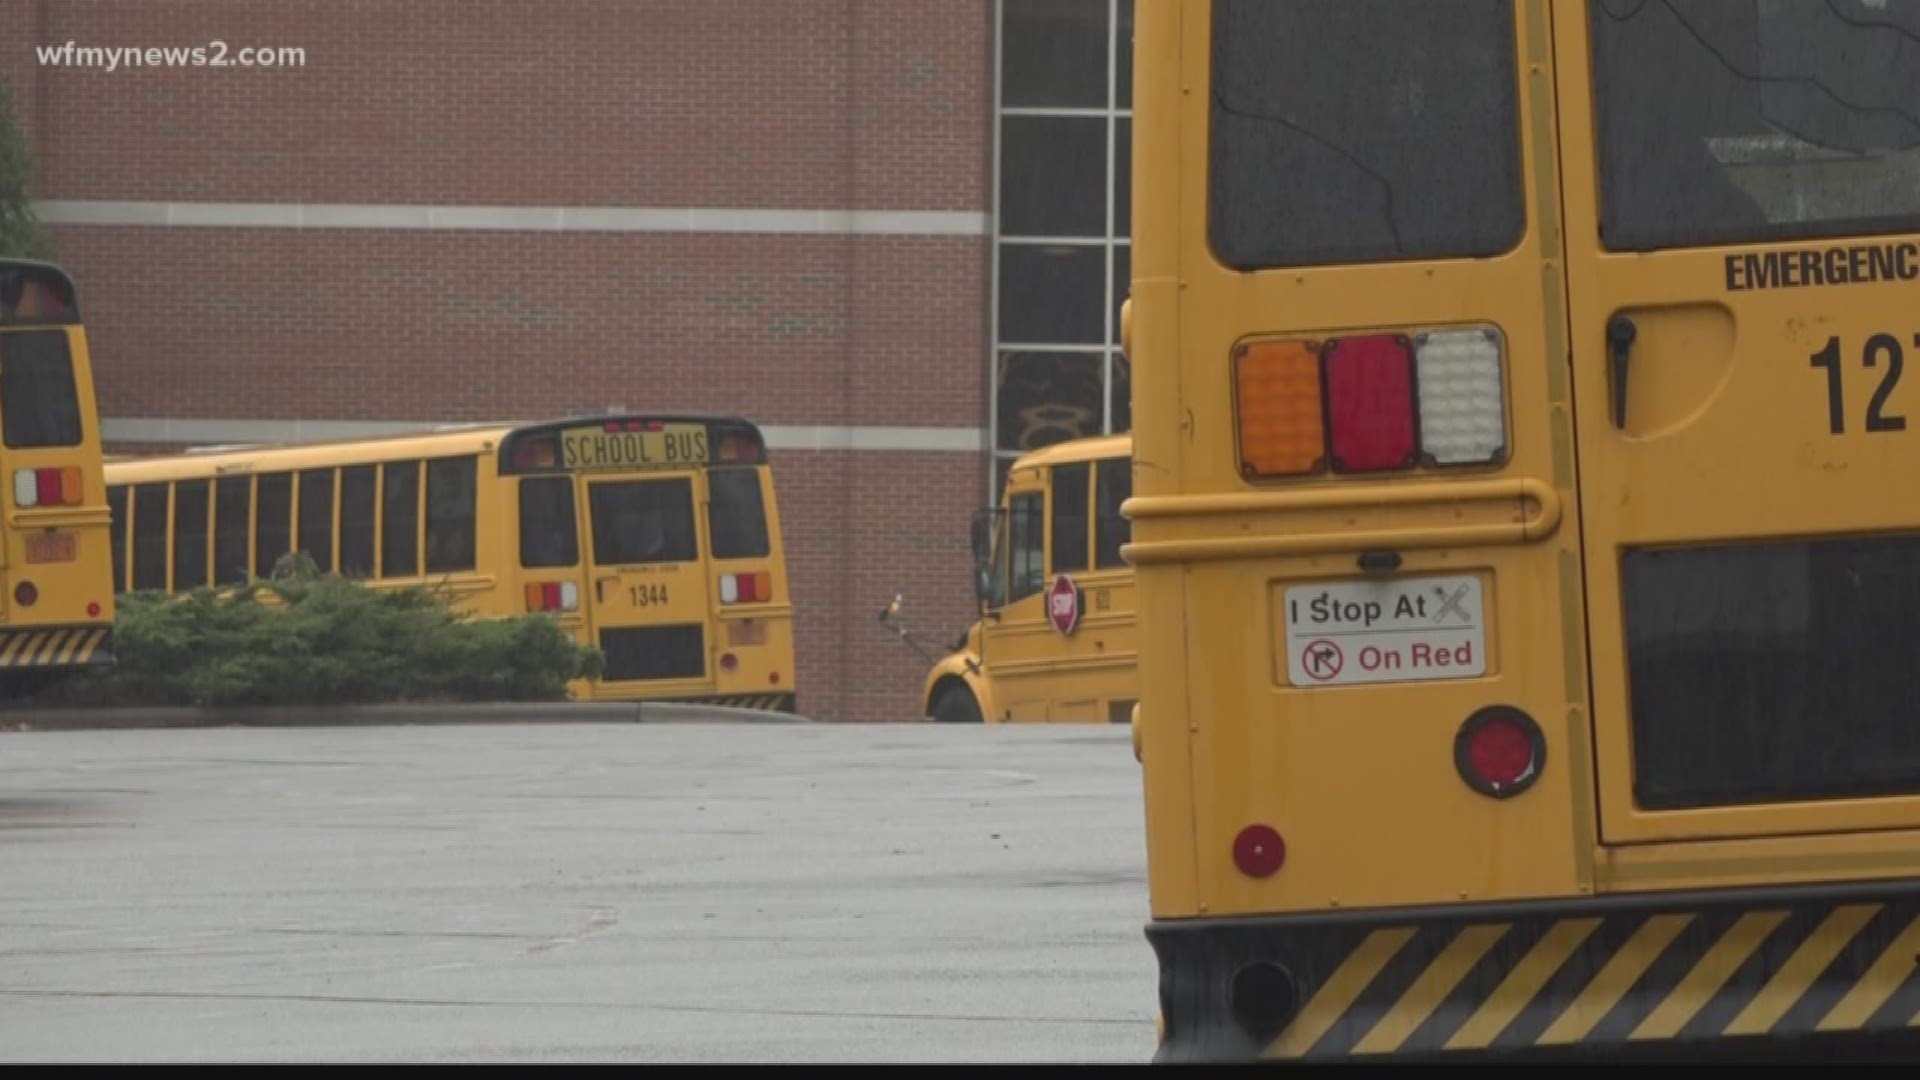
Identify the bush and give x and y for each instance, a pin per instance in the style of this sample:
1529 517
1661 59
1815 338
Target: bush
307 638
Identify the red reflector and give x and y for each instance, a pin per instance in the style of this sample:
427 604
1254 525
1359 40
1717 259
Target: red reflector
48 481
550 596
1499 751
93 609
26 594
729 663
1370 406
1258 851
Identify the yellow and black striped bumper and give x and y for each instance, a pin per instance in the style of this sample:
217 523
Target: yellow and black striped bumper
783 703
1722 970
56 646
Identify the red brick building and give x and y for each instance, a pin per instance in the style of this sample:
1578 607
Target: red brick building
892 232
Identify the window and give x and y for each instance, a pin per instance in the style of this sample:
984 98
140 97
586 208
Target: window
643 521
1026 530
1063 203
192 503
1724 121
316 516
736 515
273 527
1114 482
1070 517
450 514
39 401
232 529
549 532
117 509
150 537
400 520
357 497
1363 130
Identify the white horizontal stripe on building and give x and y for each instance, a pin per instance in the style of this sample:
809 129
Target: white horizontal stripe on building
525 218
199 432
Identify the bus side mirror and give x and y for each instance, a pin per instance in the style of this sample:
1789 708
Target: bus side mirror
982 536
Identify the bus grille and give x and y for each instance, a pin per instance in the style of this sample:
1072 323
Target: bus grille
654 652
1777 671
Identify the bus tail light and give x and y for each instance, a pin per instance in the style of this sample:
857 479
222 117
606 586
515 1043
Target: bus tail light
1277 395
26 594
754 588
1463 418
1259 851
46 487
1499 751
553 596
1370 404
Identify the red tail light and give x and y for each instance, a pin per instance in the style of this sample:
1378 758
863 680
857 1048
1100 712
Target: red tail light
1370 404
1259 851
49 484
1499 751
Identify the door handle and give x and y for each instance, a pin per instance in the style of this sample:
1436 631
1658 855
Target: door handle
1621 332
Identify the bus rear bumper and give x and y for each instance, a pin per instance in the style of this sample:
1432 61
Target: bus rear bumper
42 647
1751 973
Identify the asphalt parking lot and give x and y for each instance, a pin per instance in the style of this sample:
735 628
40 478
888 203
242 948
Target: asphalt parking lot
589 892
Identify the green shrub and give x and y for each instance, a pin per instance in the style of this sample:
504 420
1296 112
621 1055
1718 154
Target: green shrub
306 638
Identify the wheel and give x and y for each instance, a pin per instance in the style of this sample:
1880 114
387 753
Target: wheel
956 706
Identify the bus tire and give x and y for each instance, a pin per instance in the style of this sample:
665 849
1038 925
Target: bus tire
955 705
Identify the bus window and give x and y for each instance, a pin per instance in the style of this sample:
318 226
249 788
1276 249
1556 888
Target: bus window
1420 159
643 521
39 400
450 514
316 516
273 529
1114 485
356 520
192 499
549 532
1070 517
1026 530
117 508
736 515
150 537
232 510
1729 122
400 520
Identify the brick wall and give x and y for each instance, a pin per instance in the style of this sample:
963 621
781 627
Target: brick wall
752 104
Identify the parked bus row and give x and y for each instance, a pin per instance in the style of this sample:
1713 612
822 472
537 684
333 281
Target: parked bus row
656 539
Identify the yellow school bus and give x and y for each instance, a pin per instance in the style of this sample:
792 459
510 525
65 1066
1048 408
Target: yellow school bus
655 539
56 609
1055 638
1527 565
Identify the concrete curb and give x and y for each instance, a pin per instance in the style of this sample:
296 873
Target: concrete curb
646 712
